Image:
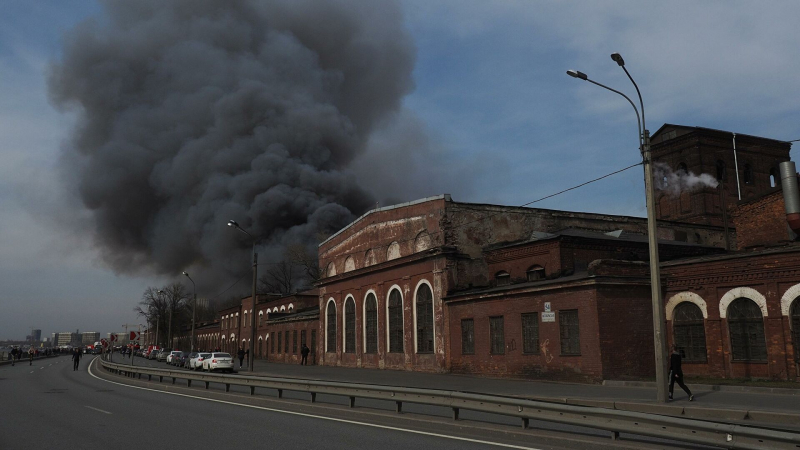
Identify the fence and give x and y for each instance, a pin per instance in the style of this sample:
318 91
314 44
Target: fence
694 431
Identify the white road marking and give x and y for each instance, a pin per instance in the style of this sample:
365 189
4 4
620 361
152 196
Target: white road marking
366 424
96 409
32 371
40 368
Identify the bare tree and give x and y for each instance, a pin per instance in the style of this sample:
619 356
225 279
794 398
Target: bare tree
278 279
307 260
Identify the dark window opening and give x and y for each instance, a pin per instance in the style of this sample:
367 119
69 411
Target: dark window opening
294 341
424 319
279 341
530 333
467 337
748 174
303 338
313 342
773 177
570 332
371 323
272 344
330 346
286 341
746 326
503 278
535 273
722 173
395 322
350 326
497 337
682 168
689 329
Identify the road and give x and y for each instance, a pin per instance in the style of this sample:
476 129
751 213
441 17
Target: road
49 405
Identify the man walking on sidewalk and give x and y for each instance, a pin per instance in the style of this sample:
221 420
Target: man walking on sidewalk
304 352
31 351
240 354
676 374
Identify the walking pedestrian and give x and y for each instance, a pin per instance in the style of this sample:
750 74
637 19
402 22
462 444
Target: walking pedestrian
31 351
676 374
76 359
13 356
304 352
240 354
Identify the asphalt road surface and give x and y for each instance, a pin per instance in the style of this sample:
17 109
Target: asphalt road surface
48 405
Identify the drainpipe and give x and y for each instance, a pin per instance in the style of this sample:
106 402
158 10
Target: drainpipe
736 164
791 195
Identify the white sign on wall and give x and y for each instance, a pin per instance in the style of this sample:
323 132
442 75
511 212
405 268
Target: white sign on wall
548 317
547 306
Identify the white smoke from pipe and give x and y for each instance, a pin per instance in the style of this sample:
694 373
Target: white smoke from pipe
675 183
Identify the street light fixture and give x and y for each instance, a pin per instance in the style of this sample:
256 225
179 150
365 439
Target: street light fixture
251 359
659 339
194 306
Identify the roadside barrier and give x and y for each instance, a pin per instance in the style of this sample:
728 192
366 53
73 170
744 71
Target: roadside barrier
720 434
24 359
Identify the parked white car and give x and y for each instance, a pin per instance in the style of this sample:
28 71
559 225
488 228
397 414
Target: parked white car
172 355
218 361
196 363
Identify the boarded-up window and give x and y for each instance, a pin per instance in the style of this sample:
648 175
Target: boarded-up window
570 332
330 338
395 322
349 264
286 341
497 339
369 258
530 333
424 319
467 337
503 278
371 324
350 326
535 273
393 252
746 326
294 341
423 241
795 318
689 330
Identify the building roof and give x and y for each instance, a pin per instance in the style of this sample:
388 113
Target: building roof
713 130
611 236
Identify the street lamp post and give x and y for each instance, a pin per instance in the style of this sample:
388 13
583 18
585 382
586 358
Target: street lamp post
659 338
158 318
251 359
194 306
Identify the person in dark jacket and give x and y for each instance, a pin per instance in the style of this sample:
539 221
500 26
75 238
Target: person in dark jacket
13 356
676 373
240 354
76 358
304 352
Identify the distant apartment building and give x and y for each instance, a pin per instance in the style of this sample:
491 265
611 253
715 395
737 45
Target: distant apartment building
36 335
67 338
90 337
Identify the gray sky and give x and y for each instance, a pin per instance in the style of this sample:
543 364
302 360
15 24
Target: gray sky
492 118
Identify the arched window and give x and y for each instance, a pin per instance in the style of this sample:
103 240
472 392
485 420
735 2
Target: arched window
349 325
371 324
689 330
748 174
349 264
395 313
794 320
369 258
773 177
722 173
746 326
331 271
535 273
682 168
393 252
330 337
503 278
422 242
424 310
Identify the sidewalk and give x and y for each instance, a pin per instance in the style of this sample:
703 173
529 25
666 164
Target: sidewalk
705 396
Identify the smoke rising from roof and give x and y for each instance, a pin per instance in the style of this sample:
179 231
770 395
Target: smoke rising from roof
195 112
674 183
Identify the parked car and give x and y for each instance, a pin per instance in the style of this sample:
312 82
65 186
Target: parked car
185 358
218 361
172 355
152 353
162 355
196 363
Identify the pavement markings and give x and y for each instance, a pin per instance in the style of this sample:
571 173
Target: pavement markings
314 416
97 409
33 371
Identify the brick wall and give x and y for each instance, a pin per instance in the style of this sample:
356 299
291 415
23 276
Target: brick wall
762 221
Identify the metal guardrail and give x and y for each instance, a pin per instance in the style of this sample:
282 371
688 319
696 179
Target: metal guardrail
694 431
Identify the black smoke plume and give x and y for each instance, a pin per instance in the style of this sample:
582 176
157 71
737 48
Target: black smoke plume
194 112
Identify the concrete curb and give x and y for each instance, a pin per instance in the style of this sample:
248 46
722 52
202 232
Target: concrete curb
770 418
710 387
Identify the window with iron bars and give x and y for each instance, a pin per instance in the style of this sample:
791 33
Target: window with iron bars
497 339
371 324
689 330
467 336
395 322
350 326
570 332
424 319
530 333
